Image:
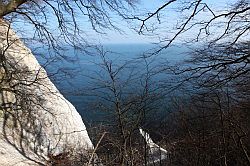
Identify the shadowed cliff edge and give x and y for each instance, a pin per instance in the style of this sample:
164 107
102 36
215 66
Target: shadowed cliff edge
38 125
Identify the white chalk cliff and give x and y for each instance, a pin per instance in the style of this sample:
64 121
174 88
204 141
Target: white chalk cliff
156 153
36 120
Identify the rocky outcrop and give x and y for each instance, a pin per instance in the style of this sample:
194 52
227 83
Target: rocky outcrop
37 122
156 154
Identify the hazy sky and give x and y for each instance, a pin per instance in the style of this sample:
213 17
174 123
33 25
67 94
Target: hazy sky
168 16
168 21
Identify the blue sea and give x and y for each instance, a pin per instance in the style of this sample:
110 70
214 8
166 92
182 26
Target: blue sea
83 76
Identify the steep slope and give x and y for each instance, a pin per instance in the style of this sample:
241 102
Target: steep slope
37 122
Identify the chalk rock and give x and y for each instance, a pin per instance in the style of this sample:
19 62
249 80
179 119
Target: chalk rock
37 122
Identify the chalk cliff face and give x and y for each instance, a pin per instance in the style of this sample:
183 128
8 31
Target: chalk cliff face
36 120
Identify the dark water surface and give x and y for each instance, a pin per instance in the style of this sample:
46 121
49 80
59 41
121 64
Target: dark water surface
74 72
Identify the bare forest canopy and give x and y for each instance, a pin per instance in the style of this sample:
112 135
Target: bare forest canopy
191 21
210 126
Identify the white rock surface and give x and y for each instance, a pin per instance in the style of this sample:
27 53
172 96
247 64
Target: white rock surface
53 124
156 153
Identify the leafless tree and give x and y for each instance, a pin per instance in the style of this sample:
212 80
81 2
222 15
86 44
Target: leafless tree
219 67
220 40
125 94
20 117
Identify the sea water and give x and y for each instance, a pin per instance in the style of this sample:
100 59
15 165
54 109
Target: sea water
82 76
